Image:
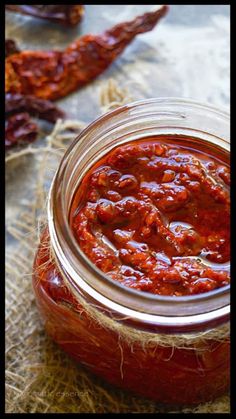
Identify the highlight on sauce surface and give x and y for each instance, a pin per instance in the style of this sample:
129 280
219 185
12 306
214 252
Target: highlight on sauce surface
154 215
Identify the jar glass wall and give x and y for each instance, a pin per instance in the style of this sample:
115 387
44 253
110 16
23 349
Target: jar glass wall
150 344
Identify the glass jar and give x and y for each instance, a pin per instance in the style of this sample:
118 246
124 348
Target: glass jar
169 349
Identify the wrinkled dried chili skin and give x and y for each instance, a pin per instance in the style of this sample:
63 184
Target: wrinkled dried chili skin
19 129
43 109
155 216
54 74
68 15
10 47
180 376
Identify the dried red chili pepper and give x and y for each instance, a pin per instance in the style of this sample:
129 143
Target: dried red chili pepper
10 47
41 108
19 128
60 13
54 74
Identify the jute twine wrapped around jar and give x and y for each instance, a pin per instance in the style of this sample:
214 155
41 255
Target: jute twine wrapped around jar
131 335
40 377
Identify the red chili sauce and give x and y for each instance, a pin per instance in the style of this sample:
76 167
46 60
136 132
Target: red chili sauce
154 215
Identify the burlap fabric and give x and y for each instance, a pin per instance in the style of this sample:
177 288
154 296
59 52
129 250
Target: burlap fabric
41 378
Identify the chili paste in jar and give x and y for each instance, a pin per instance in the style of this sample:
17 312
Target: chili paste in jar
154 215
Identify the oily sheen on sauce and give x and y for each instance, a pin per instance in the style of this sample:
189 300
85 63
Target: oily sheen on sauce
154 215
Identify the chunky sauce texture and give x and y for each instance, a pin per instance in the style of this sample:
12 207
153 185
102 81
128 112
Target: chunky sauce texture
154 215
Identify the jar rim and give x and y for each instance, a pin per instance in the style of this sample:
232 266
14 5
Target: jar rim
119 297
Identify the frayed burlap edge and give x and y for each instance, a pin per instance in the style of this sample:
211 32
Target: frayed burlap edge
40 378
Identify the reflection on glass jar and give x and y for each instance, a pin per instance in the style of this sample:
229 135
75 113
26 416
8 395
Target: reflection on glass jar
167 343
